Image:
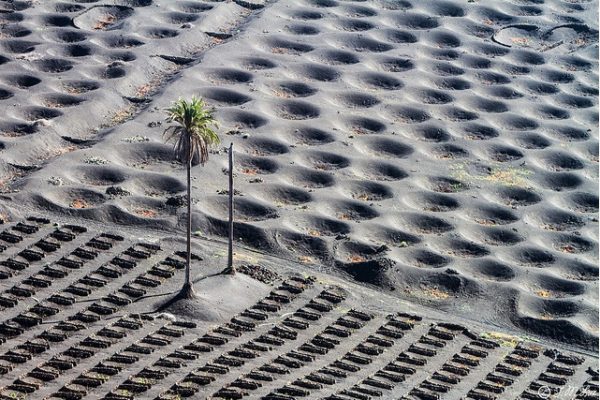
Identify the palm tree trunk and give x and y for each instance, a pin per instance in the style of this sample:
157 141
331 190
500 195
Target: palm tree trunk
188 289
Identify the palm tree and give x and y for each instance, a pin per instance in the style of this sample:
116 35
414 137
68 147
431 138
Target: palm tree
193 135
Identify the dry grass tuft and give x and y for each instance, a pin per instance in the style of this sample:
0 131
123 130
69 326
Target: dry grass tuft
521 41
435 293
504 175
502 338
122 115
543 293
356 259
79 204
249 171
144 212
104 22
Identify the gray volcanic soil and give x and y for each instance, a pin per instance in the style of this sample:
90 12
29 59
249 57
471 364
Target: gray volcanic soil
445 151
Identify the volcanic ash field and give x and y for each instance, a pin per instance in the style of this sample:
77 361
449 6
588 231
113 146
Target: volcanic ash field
444 153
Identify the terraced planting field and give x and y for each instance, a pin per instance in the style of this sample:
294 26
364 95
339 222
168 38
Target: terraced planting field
74 327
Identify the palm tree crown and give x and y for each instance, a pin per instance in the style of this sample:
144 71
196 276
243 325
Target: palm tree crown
193 133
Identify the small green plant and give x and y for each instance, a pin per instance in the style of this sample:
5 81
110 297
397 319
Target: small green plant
56 181
95 161
136 139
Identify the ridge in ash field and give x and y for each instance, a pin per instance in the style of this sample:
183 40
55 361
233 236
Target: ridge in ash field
446 151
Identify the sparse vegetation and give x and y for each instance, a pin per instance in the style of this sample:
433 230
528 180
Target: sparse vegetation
104 22
56 181
502 338
95 161
136 139
356 258
543 293
305 259
505 175
79 203
146 213
122 115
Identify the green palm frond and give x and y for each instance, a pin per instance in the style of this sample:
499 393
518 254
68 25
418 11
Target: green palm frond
194 129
